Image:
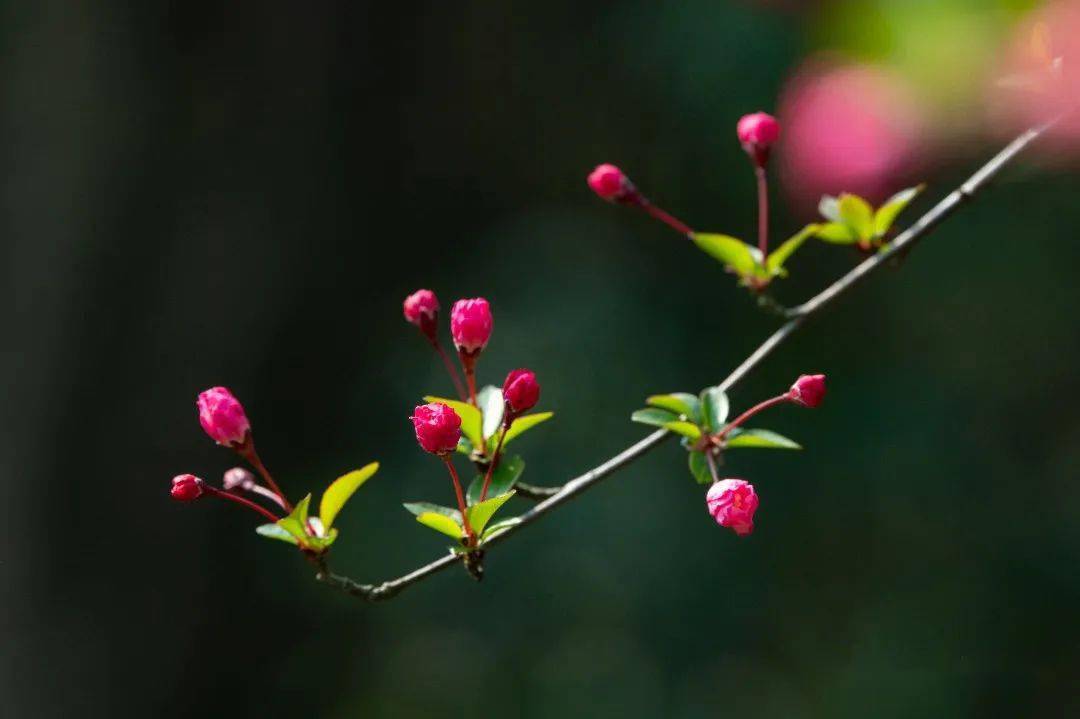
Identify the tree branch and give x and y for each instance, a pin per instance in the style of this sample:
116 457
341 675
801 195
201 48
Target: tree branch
553 497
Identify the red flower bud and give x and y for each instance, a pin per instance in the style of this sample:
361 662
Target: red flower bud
238 478
222 417
186 488
808 390
521 391
438 427
758 133
732 503
422 310
610 183
470 324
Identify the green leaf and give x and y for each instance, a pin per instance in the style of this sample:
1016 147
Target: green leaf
296 523
775 262
734 253
699 467
464 446
274 531
491 403
339 492
503 479
524 423
686 429
419 508
480 514
654 417
470 418
714 408
829 207
886 214
760 438
857 214
499 527
441 523
836 232
681 403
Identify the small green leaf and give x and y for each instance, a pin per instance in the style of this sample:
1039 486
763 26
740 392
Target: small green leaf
775 262
503 479
699 467
464 446
760 438
419 508
480 514
491 403
714 408
734 253
524 423
857 214
296 523
499 527
274 531
836 232
681 403
653 416
341 490
470 418
686 429
886 214
829 207
441 523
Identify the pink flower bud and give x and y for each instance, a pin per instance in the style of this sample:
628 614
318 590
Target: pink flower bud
438 427
222 417
186 488
470 324
610 183
732 503
521 391
422 310
758 133
809 390
238 477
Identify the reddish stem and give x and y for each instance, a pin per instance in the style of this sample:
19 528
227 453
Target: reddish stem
668 219
713 470
468 366
763 211
786 397
240 500
460 497
494 460
451 370
247 451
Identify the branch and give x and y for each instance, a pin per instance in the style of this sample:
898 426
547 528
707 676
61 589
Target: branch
553 497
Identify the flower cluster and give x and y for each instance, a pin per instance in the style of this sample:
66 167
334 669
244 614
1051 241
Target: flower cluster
478 424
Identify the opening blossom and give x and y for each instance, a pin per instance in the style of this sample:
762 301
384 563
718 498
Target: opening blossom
757 133
609 183
422 309
808 390
732 503
470 324
521 391
186 488
222 417
438 427
238 478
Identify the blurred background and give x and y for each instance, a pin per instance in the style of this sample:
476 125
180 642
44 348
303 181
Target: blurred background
203 193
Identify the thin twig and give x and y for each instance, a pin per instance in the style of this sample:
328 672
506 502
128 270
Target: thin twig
796 317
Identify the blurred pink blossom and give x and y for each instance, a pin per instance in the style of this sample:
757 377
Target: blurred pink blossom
848 128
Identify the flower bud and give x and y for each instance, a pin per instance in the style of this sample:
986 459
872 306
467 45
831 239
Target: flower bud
438 427
610 184
238 478
222 417
186 488
808 390
422 310
758 133
470 324
732 503
521 391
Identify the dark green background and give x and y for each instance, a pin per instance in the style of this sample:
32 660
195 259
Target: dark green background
242 193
